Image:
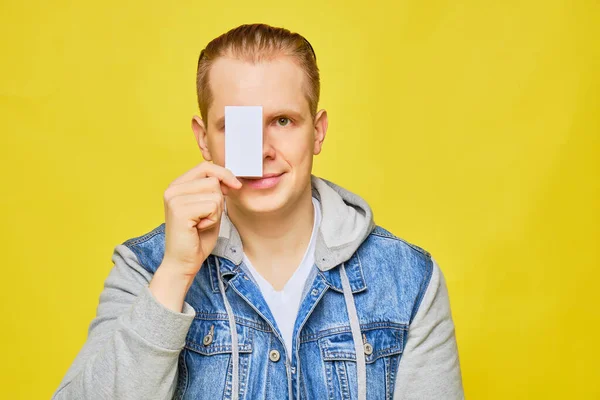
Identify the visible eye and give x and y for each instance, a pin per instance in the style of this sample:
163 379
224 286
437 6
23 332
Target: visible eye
283 121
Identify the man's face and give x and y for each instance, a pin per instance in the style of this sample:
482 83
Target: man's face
290 135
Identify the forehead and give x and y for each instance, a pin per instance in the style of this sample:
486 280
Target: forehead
274 84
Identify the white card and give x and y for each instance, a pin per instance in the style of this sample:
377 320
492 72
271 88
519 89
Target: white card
244 140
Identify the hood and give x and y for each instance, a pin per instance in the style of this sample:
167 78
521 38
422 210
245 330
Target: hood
346 221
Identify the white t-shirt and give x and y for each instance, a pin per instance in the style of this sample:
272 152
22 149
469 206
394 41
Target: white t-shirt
284 304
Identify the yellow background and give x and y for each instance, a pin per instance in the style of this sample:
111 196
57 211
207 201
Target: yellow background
471 127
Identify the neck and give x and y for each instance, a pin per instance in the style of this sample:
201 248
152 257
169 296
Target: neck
276 236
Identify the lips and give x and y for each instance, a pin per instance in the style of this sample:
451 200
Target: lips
264 176
266 181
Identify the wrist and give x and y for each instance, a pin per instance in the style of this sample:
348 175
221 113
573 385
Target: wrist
171 272
170 287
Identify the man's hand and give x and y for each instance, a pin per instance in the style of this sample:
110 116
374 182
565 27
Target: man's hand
194 203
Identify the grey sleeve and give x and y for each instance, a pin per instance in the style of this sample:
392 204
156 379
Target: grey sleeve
429 367
133 343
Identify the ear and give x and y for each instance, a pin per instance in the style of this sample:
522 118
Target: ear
200 133
320 125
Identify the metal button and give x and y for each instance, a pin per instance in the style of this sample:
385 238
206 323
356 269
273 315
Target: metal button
274 355
209 337
368 349
207 340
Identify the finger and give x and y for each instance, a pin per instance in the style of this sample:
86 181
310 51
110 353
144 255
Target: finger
199 198
200 210
178 205
205 224
195 186
212 219
206 169
224 189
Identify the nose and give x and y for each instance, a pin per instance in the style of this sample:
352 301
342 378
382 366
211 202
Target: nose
268 149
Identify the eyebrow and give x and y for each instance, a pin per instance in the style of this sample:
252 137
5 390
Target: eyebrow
284 111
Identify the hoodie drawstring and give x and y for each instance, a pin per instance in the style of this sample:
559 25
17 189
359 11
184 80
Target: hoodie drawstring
361 368
234 337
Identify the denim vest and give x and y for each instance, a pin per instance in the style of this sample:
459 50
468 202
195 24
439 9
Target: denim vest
387 277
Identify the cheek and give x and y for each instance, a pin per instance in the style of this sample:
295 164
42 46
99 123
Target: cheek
298 152
216 146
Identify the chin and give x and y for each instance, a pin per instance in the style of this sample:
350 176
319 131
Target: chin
265 202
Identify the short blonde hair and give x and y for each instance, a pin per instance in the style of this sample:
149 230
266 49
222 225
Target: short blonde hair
255 43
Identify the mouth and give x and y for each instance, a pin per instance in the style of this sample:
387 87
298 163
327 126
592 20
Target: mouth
266 181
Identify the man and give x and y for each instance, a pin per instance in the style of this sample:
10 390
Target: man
280 287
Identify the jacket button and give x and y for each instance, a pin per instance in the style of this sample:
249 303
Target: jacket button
368 349
209 336
274 355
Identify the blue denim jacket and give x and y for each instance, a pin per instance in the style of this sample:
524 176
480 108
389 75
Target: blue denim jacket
351 332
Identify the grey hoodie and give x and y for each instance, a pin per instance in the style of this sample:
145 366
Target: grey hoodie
134 341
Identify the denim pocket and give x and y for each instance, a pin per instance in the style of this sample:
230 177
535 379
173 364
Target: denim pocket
208 359
382 348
